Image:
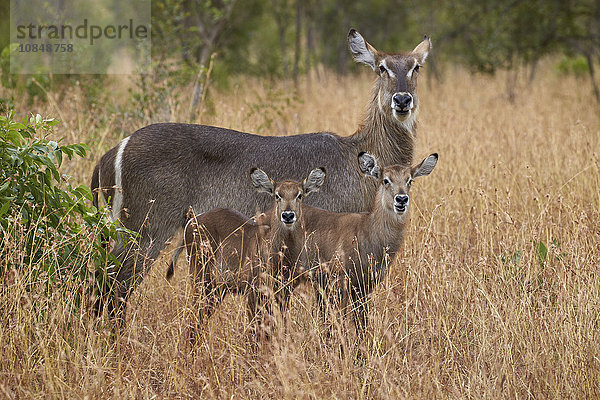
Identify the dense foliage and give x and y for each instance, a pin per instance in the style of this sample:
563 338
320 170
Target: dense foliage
49 231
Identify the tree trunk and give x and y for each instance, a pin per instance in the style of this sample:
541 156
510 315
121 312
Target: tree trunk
434 71
310 47
532 70
298 33
590 61
282 47
511 79
199 87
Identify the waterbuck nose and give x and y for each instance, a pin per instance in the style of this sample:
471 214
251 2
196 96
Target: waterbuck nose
288 217
401 199
402 100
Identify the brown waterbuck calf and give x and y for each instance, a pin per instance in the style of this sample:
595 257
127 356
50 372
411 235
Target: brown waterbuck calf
152 177
354 249
229 252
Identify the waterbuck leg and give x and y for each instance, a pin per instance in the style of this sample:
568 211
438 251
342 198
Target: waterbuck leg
134 265
106 282
259 309
206 299
324 301
173 262
360 305
206 295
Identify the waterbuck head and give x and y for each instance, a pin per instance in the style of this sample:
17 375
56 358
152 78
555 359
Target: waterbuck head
395 180
396 86
288 194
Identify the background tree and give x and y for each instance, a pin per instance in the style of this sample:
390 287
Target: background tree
287 37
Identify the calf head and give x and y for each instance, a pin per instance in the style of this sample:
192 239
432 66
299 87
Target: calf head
288 195
395 180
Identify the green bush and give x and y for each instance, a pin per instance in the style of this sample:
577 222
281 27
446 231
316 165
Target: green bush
577 66
49 233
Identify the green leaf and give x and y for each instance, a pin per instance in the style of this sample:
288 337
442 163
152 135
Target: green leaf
4 208
83 191
58 154
541 251
25 213
68 151
14 137
4 186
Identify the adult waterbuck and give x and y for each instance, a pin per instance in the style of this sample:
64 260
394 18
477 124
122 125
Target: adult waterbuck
353 249
152 177
229 252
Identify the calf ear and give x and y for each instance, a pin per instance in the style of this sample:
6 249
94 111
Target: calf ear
314 180
422 50
361 51
425 167
261 181
368 164
263 230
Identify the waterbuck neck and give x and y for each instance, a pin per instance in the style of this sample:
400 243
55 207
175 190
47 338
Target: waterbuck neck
389 140
281 236
384 226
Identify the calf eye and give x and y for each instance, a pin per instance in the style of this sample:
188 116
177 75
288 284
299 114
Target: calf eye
386 181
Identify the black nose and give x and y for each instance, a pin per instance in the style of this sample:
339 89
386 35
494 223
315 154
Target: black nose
402 101
401 199
288 217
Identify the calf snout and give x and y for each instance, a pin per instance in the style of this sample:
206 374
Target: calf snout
401 199
402 101
400 203
288 217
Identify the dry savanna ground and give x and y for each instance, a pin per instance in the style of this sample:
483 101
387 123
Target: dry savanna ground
495 294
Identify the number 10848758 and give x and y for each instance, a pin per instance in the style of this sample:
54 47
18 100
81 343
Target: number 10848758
45 48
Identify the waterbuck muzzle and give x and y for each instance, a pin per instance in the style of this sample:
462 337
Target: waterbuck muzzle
400 203
402 103
288 217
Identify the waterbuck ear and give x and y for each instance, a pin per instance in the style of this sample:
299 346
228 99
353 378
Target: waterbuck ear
314 180
368 164
422 50
361 51
425 167
261 181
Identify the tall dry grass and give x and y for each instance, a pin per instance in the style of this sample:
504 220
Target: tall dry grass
473 308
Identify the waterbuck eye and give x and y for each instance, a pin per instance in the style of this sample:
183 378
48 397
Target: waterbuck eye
409 182
277 196
299 197
382 69
386 181
417 67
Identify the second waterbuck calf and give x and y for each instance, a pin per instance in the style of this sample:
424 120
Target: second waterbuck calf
354 249
152 177
229 252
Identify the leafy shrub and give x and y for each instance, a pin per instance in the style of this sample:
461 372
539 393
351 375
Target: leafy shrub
577 66
49 233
